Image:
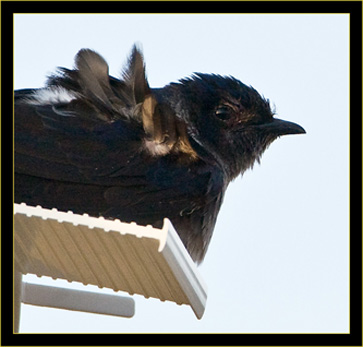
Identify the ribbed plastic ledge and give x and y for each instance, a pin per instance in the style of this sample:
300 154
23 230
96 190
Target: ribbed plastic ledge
107 253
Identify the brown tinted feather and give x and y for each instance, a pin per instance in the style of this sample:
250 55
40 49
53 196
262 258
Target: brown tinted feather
134 75
94 77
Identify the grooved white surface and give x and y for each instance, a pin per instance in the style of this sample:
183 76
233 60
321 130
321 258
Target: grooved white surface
107 253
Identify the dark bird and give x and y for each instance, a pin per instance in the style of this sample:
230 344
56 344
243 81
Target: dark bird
91 143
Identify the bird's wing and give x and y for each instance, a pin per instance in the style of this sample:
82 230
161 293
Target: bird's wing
101 167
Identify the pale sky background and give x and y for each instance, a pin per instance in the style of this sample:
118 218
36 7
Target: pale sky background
279 256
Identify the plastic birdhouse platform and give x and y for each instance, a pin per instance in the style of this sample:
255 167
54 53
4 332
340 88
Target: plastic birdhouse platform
107 253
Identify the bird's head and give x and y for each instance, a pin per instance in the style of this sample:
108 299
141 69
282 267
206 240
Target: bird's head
227 121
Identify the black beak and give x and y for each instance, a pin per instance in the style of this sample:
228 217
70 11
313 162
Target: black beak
282 127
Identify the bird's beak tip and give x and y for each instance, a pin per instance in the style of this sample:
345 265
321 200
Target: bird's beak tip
284 127
300 130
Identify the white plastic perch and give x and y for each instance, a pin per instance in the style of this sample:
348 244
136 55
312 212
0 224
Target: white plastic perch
107 253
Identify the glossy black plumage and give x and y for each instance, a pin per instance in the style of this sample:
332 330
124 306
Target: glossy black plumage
95 144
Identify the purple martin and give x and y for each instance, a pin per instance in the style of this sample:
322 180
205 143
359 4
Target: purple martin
91 143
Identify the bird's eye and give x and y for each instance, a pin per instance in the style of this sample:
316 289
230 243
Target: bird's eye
224 112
